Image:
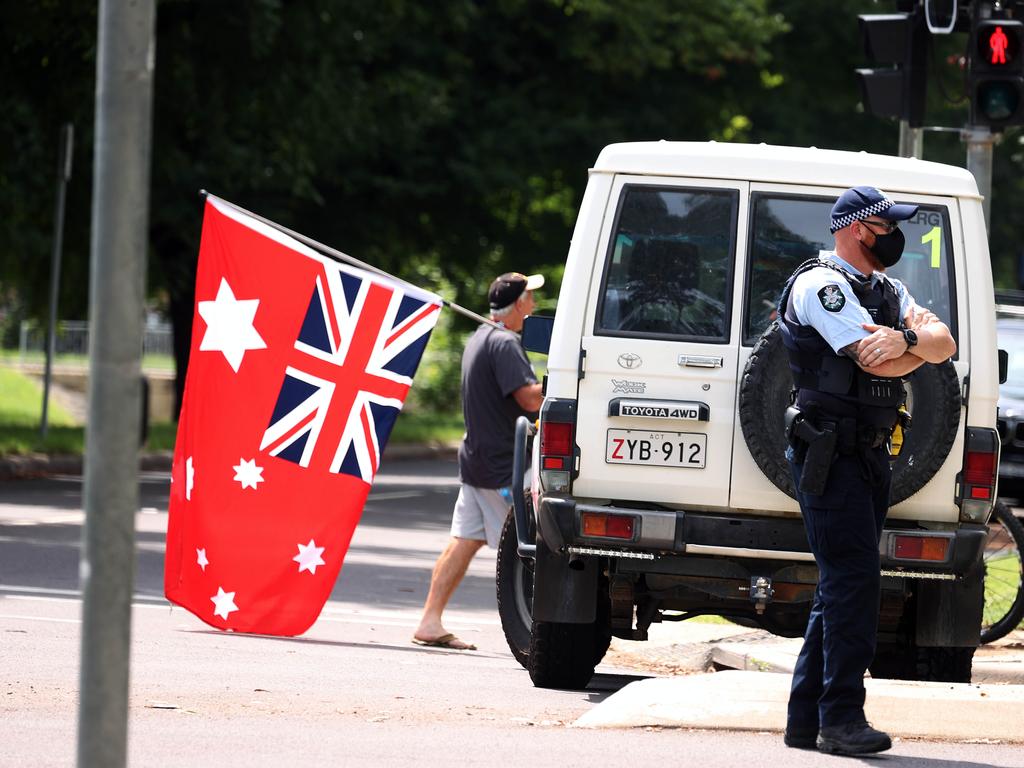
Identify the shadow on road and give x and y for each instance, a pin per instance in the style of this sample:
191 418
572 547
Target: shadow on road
410 648
604 684
909 761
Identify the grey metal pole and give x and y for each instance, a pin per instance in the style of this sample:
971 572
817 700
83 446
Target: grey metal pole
911 141
120 211
67 140
979 143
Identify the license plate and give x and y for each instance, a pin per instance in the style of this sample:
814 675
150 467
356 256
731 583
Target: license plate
659 449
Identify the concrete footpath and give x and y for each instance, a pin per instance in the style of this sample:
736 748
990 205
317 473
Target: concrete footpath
724 676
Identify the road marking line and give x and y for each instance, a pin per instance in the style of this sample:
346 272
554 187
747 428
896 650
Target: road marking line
39 618
358 615
66 518
42 590
394 495
53 595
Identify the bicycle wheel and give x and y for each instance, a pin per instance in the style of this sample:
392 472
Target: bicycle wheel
1004 575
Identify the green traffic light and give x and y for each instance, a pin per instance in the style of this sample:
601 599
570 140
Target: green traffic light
998 100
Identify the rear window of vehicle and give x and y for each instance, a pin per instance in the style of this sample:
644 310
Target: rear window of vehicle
1010 332
669 268
787 230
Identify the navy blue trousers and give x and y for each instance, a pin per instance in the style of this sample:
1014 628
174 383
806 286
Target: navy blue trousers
844 526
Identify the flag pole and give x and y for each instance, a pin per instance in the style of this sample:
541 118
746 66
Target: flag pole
338 255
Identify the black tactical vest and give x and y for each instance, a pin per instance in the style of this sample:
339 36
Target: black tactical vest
833 385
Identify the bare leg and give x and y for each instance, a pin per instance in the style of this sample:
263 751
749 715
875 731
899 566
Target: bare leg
448 573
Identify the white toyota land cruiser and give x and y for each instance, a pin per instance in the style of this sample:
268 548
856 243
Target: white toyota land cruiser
660 487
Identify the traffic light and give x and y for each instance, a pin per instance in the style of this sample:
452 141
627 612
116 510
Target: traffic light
899 40
996 79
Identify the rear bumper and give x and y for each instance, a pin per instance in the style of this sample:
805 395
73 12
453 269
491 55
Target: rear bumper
666 533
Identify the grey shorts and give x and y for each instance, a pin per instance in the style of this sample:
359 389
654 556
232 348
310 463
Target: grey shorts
480 514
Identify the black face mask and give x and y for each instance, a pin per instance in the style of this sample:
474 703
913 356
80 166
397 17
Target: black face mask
889 248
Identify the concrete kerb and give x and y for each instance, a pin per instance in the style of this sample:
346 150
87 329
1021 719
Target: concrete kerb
743 700
751 692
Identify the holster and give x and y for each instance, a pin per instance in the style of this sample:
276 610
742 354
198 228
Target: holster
819 451
899 433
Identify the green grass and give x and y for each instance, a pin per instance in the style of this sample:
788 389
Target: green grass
21 400
13 356
21 403
427 427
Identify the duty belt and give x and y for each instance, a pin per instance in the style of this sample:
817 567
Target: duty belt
853 436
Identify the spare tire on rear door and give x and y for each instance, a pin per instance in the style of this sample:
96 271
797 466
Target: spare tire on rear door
764 396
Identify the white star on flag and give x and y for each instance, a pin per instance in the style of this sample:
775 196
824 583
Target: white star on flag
309 557
229 325
201 558
224 602
247 473
190 478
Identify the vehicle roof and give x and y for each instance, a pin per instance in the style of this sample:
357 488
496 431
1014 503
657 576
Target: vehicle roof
786 165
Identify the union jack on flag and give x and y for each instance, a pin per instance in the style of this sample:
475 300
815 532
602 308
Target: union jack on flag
333 321
299 367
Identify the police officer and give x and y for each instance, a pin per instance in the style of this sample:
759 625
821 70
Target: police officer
851 333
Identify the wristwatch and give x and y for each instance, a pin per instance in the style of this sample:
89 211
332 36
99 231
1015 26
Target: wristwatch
910 337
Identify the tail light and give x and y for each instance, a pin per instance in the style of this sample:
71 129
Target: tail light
978 477
557 444
927 548
608 526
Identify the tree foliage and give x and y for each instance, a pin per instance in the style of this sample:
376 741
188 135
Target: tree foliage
444 141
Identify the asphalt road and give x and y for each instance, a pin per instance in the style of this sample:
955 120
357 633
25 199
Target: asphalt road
352 690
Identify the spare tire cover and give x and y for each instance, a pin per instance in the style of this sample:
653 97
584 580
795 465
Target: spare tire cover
764 395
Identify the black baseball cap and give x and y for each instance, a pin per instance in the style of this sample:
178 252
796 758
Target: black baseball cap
508 287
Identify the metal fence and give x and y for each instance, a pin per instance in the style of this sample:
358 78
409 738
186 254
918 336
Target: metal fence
73 339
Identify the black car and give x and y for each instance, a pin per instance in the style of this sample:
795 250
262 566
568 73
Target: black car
1010 332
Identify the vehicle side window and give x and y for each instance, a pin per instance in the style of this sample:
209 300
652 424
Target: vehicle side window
786 231
669 264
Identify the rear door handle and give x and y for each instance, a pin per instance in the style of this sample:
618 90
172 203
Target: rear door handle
700 361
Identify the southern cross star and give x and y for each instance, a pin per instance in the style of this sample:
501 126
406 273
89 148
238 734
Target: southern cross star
229 325
247 473
309 557
201 558
224 603
190 478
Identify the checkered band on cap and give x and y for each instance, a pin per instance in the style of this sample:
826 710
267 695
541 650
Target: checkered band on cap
848 218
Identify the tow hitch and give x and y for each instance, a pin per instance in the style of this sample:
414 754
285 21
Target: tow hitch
761 591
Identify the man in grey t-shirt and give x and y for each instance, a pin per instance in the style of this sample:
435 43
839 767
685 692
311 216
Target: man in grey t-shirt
498 386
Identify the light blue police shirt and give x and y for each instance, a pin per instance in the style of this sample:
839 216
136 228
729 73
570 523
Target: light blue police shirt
824 299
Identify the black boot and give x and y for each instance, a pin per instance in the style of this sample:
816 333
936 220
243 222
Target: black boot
800 738
852 739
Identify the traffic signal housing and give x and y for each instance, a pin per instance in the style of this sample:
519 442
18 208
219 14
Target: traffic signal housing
899 40
996 76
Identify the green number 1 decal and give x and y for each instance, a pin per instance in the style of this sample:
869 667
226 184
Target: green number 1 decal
934 236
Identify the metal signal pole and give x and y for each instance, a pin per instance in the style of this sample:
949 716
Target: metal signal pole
67 140
980 141
120 211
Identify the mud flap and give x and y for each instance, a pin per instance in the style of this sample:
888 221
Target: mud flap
564 593
949 612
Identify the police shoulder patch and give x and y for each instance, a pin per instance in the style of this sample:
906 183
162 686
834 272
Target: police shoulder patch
832 298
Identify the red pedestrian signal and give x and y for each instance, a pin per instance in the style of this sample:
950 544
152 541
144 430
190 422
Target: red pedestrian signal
997 47
996 82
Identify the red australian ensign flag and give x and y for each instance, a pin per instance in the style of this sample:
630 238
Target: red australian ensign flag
299 367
